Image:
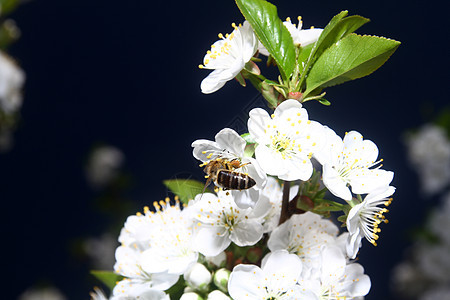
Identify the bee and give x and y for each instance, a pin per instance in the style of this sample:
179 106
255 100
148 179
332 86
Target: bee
222 172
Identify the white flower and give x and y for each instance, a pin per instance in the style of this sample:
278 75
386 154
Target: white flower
305 235
11 81
302 37
286 140
273 192
228 57
129 265
347 162
229 146
364 218
429 153
156 249
276 279
338 280
220 221
198 276
127 290
171 248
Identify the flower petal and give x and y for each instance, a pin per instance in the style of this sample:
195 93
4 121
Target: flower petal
335 184
230 140
258 121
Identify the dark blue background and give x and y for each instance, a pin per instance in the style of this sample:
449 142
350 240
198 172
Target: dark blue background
125 73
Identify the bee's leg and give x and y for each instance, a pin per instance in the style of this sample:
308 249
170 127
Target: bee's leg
244 164
208 182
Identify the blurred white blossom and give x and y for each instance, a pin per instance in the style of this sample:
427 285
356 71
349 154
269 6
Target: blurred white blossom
429 153
12 79
44 293
104 165
101 251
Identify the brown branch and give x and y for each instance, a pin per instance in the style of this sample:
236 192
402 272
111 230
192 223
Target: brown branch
285 204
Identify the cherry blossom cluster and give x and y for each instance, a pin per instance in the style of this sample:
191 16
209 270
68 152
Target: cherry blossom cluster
304 257
265 229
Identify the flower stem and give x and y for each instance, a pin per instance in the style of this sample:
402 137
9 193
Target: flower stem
285 202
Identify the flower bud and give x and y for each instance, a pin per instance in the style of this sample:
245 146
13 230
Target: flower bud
198 276
296 96
218 261
217 295
221 279
191 296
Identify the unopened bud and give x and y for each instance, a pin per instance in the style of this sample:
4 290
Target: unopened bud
198 276
217 295
295 95
221 279
190 296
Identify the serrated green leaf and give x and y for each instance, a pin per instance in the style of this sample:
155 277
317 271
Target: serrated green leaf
352 57
109 278
186 189
272 33
338 27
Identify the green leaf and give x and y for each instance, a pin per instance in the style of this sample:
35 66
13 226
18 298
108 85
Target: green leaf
249 150
177 290
269 93
109 278
303 56
248 138
339 27
271 31
352 57
186 189
8 6
240 79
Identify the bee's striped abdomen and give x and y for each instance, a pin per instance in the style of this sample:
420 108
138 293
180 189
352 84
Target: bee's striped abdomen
234 180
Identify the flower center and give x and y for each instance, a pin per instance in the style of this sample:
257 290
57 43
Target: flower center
284 145
230 218
225 48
